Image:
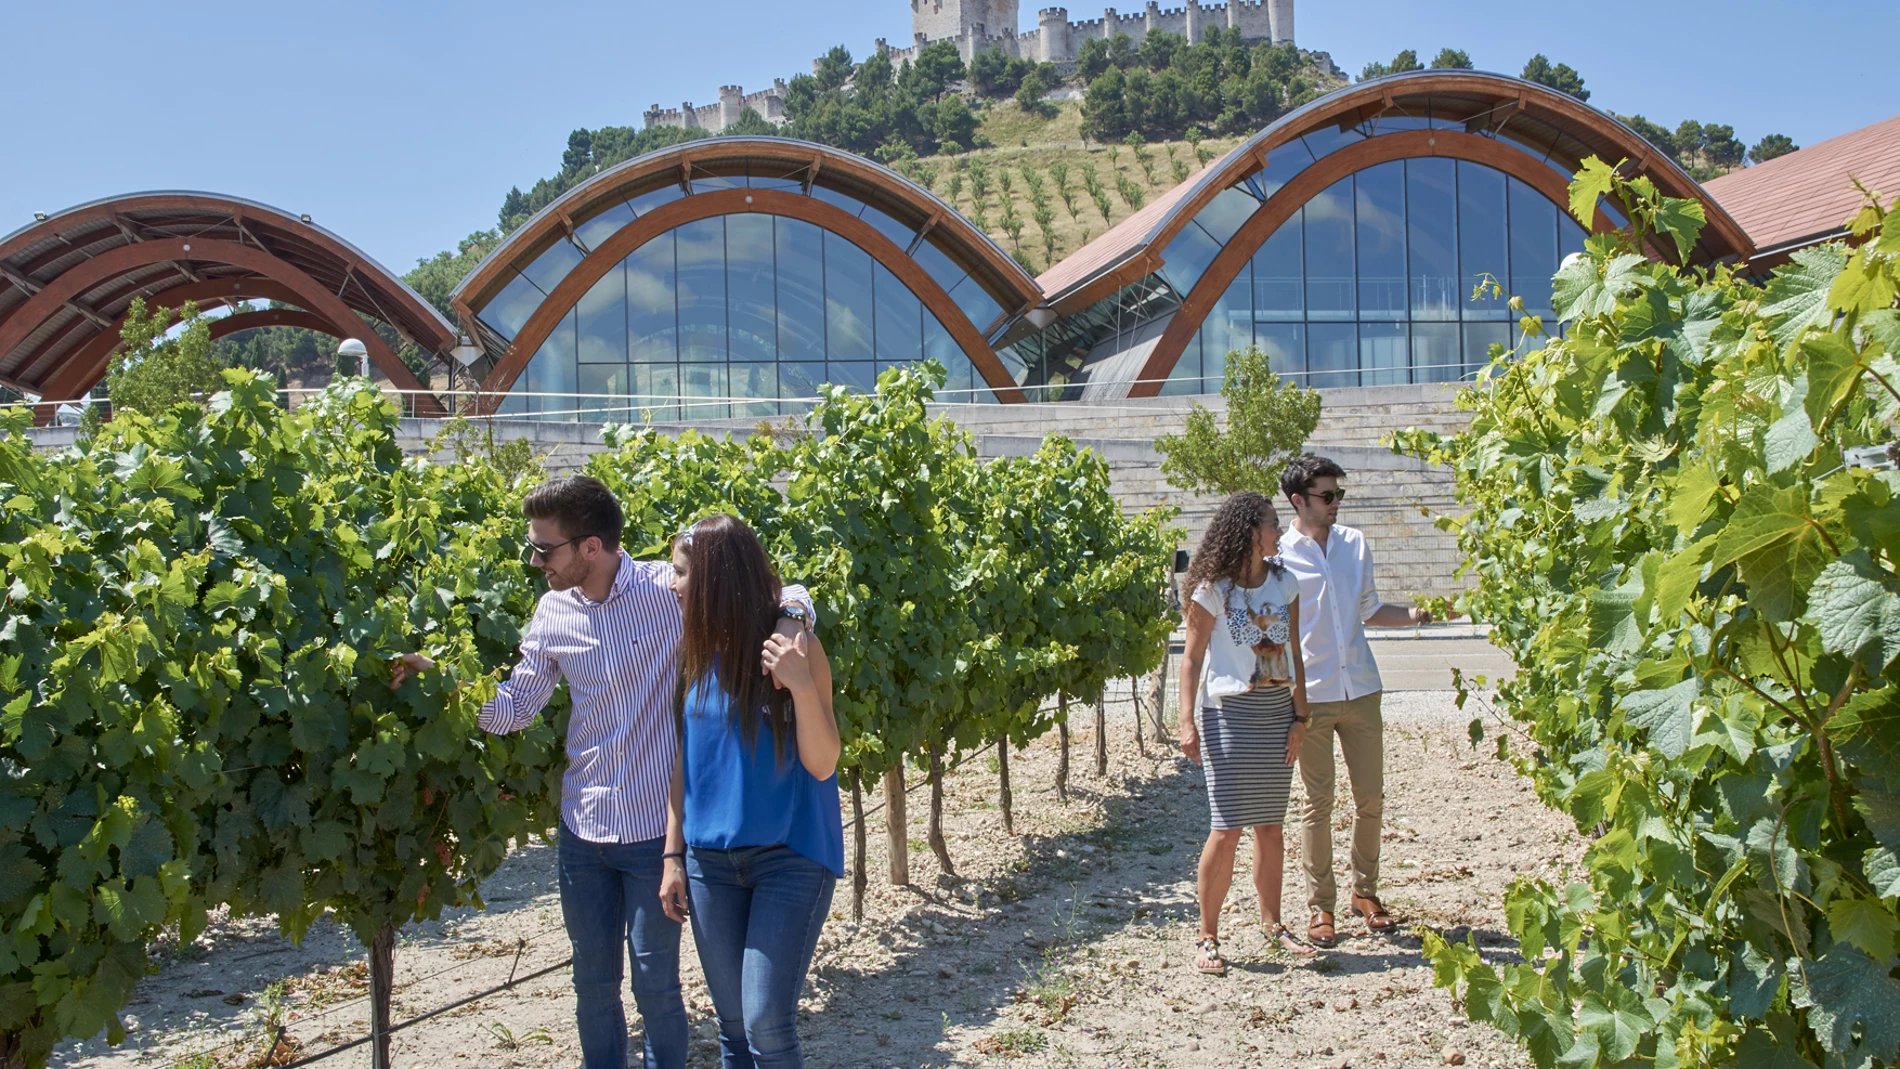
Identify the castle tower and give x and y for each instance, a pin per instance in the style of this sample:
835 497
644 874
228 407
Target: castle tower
1151 19
1280 19
970 22
1193 16
1054 44
1111 24
731 103
1233 15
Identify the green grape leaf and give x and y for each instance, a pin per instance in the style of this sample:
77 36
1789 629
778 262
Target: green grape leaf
1857 615
1593 181
1864 922
1669 715
1760 1049
1796 297
1682 219
1767 516
1883 872
1833 367
1846 989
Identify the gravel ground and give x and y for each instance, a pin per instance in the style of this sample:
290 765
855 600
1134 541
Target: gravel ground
1068 943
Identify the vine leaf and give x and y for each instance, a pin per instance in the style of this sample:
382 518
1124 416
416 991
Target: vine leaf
1669 715
1682 219
1847 988
1796 297
1856 614
1863 922
1592 183
1760 1049
1883 872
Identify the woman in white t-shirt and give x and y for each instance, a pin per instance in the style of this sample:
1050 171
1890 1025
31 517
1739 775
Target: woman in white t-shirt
1243 706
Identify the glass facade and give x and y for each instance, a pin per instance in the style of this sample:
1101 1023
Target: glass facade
1371 282
738 315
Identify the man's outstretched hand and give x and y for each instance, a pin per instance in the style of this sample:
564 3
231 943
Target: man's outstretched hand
405 665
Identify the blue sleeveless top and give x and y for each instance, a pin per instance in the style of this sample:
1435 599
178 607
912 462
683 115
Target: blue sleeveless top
738 796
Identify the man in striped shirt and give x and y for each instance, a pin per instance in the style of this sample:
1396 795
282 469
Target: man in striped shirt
609 625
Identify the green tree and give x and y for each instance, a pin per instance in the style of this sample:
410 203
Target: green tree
1558 76
1093 60
1267 422
154 369
436 277
1770 146
834 68
1105 107
938 64
1451 59
750 124
1159 49
1406 60
1654 133
1036 85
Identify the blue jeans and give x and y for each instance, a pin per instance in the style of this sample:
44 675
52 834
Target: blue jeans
757 911
610 892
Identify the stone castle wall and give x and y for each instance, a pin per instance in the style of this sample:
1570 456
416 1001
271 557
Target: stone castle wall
982 25
713 118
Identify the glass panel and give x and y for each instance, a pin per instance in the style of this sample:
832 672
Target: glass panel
900 323
1227 329
899 234
1187 257
595 232
754 380
708 183
654 198
1329 248
703 380
549 268
1282 164
1185 376
512 306
936 263
801 292
1431 217
1224 214
654 387
1393 122
1332 355
1379 199
1533 247
776 176
603 319
551 373
1435 353
1482 248
1285 346
1278 278
751 301
800 380
609 380
702 289
978 306
1329 139
962 378
1383 356
848 300
1479 338
1569 236
859 375
652 321
851 206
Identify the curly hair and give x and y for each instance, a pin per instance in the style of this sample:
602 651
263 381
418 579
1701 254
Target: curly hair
1227 543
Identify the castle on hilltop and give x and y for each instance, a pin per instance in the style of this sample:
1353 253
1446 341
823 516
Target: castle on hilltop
983 25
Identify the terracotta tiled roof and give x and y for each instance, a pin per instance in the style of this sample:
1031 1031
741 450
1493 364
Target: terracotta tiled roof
1810 193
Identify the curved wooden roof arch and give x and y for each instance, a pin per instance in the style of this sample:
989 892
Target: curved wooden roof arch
1533 132
730 175
67 280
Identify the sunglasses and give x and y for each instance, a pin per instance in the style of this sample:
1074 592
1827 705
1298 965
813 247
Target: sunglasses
532 550
1328 496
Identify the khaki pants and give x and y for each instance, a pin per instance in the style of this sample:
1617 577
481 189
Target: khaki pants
1361 733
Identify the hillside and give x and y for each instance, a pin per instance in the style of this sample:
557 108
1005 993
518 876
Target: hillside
1014 191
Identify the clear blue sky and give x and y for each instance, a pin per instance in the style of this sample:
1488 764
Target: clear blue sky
400 125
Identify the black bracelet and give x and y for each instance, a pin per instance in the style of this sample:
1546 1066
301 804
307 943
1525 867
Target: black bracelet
679 854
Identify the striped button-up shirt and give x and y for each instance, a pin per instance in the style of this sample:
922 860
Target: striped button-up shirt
617 656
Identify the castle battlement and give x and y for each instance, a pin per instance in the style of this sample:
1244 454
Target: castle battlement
713 118
983 25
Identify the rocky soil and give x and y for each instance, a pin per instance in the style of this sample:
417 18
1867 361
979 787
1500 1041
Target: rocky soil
1068 943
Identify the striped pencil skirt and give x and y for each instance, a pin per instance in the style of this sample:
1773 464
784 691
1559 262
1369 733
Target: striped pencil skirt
1243 749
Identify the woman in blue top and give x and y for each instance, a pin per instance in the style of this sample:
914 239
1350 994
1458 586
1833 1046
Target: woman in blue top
754 843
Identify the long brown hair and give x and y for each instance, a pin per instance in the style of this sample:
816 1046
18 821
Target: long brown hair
1227 543
730 609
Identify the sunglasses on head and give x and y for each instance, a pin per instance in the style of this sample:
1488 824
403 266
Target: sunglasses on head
1328 496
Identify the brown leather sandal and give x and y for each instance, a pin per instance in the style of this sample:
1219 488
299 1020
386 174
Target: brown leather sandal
1377 919
1320 931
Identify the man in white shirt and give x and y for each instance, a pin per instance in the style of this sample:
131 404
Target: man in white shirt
1338 597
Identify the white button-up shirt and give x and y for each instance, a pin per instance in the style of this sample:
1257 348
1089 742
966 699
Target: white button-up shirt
1337 595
